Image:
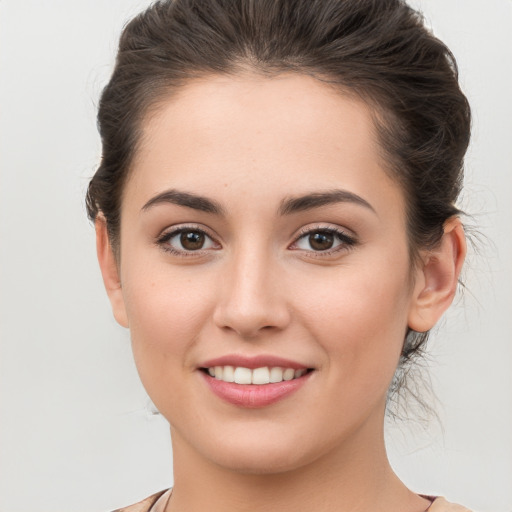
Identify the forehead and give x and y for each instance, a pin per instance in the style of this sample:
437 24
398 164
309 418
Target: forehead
279 136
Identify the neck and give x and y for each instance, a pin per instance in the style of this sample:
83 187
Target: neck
353 477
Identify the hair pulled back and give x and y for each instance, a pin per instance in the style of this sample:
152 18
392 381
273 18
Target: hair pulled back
378 50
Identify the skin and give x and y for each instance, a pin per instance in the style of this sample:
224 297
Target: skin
259 287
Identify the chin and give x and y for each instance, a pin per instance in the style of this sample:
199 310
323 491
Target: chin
260 461
271 453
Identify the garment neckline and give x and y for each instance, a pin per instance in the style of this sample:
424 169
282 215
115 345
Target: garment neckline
161 503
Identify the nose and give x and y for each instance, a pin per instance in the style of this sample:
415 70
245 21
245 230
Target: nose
253 299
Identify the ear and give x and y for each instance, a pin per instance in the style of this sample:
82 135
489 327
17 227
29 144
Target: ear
437 277
110 271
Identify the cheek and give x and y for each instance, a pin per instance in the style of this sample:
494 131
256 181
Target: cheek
360 321
166 311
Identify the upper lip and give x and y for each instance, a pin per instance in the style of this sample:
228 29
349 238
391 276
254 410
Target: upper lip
253 362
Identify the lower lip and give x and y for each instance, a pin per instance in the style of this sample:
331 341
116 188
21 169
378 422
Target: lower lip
254 395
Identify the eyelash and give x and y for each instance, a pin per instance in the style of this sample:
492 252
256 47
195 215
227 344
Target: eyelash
164 238
347 242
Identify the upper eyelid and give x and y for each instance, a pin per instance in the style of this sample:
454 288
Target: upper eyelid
347 239
173 230
166 235
306 230
170 232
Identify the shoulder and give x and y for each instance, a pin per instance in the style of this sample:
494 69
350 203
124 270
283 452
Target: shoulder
441 505
144 505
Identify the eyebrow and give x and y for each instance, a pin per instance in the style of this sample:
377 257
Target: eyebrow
287 207
194 201
318 199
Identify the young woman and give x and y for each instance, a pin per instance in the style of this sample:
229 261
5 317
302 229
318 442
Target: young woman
276 225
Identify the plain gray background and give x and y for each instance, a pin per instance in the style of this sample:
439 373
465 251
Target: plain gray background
76 432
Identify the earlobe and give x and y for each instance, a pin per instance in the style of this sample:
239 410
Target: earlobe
110 271
437 278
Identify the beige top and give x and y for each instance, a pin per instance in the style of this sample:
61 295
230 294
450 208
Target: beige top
154 503
158 501
441 505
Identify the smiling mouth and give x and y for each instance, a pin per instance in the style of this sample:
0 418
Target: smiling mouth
258 376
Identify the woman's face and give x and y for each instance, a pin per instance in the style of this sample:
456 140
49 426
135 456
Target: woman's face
259 230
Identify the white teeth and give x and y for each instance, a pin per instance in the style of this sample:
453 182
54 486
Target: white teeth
259 376
229 374
243 375
276 374
288 374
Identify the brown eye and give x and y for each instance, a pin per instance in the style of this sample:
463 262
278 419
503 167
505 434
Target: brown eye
183 241
192 240
324 240
321 240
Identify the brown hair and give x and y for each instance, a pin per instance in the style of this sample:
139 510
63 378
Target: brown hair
379 50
